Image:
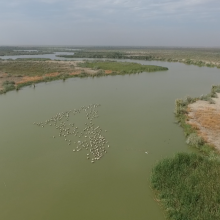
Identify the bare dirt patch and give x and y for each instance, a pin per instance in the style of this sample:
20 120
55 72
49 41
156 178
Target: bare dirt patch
205 118
108 71
26 79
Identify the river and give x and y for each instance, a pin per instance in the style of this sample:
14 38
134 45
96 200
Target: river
41 176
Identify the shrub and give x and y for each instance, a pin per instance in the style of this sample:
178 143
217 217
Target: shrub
8 83
8 86
180 107
194 140
100 73
83 74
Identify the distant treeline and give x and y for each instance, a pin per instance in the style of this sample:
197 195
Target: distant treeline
17 50
139 56
104 54
209 57
98 54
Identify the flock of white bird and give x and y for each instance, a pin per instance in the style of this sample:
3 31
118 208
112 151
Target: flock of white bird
90 138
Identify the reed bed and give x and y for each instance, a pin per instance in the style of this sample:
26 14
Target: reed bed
188 187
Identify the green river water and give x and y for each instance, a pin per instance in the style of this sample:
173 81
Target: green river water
42 178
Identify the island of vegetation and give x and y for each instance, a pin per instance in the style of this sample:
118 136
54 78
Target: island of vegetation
188 185
15 74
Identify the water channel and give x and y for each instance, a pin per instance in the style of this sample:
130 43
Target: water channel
41 176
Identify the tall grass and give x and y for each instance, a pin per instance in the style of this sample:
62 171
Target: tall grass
188 187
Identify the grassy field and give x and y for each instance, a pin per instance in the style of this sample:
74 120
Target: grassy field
121 67
188 187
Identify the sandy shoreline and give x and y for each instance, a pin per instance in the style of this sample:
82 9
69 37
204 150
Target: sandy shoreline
205 118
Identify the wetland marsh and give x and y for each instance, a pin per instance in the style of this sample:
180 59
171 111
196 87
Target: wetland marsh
41 176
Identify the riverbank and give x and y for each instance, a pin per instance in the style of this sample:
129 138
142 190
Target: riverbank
199 118
188 185
22 72
205 118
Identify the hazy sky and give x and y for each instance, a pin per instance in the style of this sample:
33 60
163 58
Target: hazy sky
110 22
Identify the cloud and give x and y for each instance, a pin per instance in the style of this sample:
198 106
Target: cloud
110 16
104 9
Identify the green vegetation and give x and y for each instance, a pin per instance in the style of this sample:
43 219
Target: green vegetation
188 184
215 89
30 67
191 56
209 57
8 86
188 187
49 70
194 140
33 59
12 51
45 79
11 85
120 67
96 54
